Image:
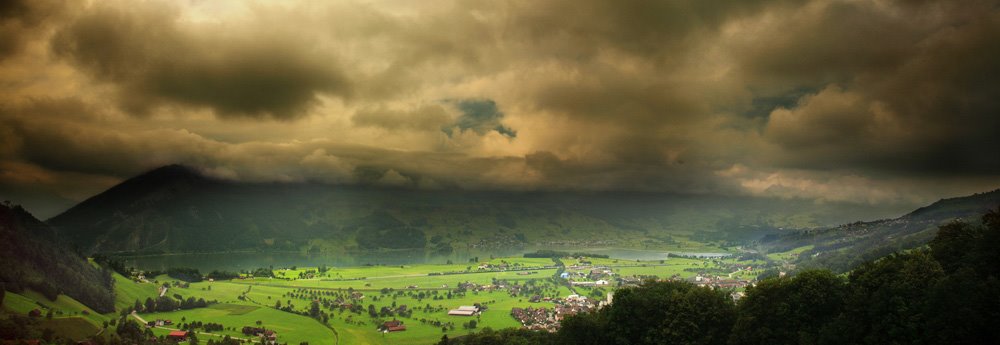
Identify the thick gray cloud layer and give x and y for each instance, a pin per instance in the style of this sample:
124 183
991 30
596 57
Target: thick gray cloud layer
154 60
868 101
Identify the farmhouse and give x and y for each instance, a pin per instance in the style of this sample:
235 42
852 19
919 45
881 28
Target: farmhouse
393 326
177 335
464 310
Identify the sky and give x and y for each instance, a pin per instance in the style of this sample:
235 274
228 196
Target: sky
873 102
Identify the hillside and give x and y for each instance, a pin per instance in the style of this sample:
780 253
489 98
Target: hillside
33 258
176 209
843 247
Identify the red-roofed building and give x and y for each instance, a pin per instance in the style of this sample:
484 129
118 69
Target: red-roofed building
393 326
177 335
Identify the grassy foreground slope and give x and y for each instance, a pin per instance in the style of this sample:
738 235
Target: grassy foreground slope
70 318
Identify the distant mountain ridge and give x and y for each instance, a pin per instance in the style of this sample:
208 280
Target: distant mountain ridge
176 209
89 218
841 248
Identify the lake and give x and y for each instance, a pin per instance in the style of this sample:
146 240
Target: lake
236 261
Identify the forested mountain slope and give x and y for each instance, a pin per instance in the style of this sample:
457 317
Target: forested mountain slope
177 209
34 258
843 247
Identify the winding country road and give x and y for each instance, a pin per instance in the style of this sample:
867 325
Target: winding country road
143 321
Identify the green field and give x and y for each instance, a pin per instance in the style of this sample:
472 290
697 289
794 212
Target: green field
423 288
427 291
789 255
71 319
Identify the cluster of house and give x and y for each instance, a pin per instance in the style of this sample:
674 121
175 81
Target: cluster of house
477 287
599 282
549 319
579 243
465 310
582 274
535 318
347 303
158 323
719 282
498 241
392 326
266 335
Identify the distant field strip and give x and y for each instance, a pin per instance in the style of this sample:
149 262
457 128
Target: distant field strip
234 309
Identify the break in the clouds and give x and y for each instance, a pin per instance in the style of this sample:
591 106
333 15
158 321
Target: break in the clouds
864 101
480 116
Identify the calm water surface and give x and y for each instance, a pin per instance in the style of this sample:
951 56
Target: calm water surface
237 261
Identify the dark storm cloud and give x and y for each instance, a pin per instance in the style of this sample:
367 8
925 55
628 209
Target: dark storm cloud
65 135
256 72
22 20
480 116
779 98
652 29
914 96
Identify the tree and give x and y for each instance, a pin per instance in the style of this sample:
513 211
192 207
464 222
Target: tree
670 312
584 329
952 247
130 331
964 305
165 303
150 305
789 310
886 301
314 310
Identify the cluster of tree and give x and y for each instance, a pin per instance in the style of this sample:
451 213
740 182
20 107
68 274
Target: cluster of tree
191 275
262 272
165 303
472 324
207 327
548 253
129 332
947 293
222 275
114 263
14 327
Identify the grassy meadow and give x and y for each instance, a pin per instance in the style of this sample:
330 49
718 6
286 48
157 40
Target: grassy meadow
282 303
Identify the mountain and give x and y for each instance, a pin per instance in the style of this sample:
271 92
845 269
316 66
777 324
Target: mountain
177 209
841 248
34 258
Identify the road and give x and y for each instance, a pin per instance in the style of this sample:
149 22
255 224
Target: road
141 320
